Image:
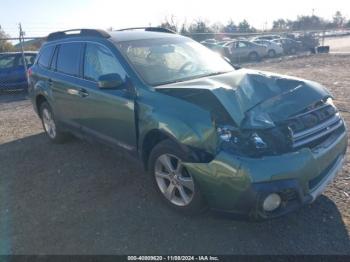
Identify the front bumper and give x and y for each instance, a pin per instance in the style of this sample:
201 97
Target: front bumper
239 185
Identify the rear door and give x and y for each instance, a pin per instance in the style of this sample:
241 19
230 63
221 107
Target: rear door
242 49
19 73
66 83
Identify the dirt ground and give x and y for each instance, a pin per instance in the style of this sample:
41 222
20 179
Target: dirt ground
81 198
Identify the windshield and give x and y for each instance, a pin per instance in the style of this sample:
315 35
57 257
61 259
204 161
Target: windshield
168 60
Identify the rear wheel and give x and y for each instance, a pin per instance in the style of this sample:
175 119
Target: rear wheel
50 126
271 53
253 56
175 185
293 51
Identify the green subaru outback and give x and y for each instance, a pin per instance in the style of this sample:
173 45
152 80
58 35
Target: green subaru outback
210 135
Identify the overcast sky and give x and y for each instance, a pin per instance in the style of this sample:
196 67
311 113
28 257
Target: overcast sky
39 17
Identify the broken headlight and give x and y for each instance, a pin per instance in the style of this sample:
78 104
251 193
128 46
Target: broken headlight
253 143
258 142
224 133
233 139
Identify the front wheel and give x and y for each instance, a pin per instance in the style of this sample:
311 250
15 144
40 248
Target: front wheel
271 53
50 126
175 185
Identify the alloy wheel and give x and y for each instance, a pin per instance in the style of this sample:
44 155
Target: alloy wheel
173 180
49 123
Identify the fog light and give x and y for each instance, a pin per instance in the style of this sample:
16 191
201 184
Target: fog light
272 202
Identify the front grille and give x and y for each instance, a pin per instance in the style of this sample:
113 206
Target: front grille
314 125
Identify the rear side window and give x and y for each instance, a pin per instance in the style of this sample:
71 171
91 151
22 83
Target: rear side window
45 56
29 59
68 59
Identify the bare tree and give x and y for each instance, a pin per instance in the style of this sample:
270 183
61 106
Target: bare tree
5 46
170 23
339 19
217 27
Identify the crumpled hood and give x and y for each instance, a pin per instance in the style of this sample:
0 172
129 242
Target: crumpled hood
253 99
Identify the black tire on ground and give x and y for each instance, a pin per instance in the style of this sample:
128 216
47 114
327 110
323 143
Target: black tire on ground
253 56
322 49
54 132
271 53
168 147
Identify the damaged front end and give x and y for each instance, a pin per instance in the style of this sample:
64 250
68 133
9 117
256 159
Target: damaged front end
276 135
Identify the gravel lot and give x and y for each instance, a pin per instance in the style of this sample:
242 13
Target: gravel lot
81 198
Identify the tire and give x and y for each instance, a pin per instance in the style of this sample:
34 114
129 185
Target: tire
271 53
293 51
253 56
50 125
177 189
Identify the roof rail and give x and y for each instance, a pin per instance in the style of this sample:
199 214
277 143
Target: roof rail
150 29
77 32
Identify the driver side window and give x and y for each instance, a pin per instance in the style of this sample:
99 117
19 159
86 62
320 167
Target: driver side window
98 61
241 45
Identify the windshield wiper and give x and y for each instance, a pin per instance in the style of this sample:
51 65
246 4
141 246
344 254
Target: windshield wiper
190 78
215 73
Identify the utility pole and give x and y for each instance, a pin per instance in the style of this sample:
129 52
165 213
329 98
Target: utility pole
21 40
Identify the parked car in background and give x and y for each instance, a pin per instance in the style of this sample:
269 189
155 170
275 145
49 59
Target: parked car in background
266 37
289 46
217 47
242 141
273 49
12 70
211 40
245 50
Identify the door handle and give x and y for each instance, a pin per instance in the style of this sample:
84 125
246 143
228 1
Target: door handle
72 91
83 92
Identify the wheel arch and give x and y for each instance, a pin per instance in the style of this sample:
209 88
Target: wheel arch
39 99
155 136
151 139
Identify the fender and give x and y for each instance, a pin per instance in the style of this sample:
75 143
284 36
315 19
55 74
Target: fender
195 129
40 88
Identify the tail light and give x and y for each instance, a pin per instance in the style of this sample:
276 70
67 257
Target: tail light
29 72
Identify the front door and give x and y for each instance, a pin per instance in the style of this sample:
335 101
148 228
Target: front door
7 71
106 113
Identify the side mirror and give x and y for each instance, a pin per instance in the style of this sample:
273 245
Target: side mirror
110 81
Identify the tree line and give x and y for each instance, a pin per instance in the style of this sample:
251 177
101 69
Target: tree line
303 22
312 22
